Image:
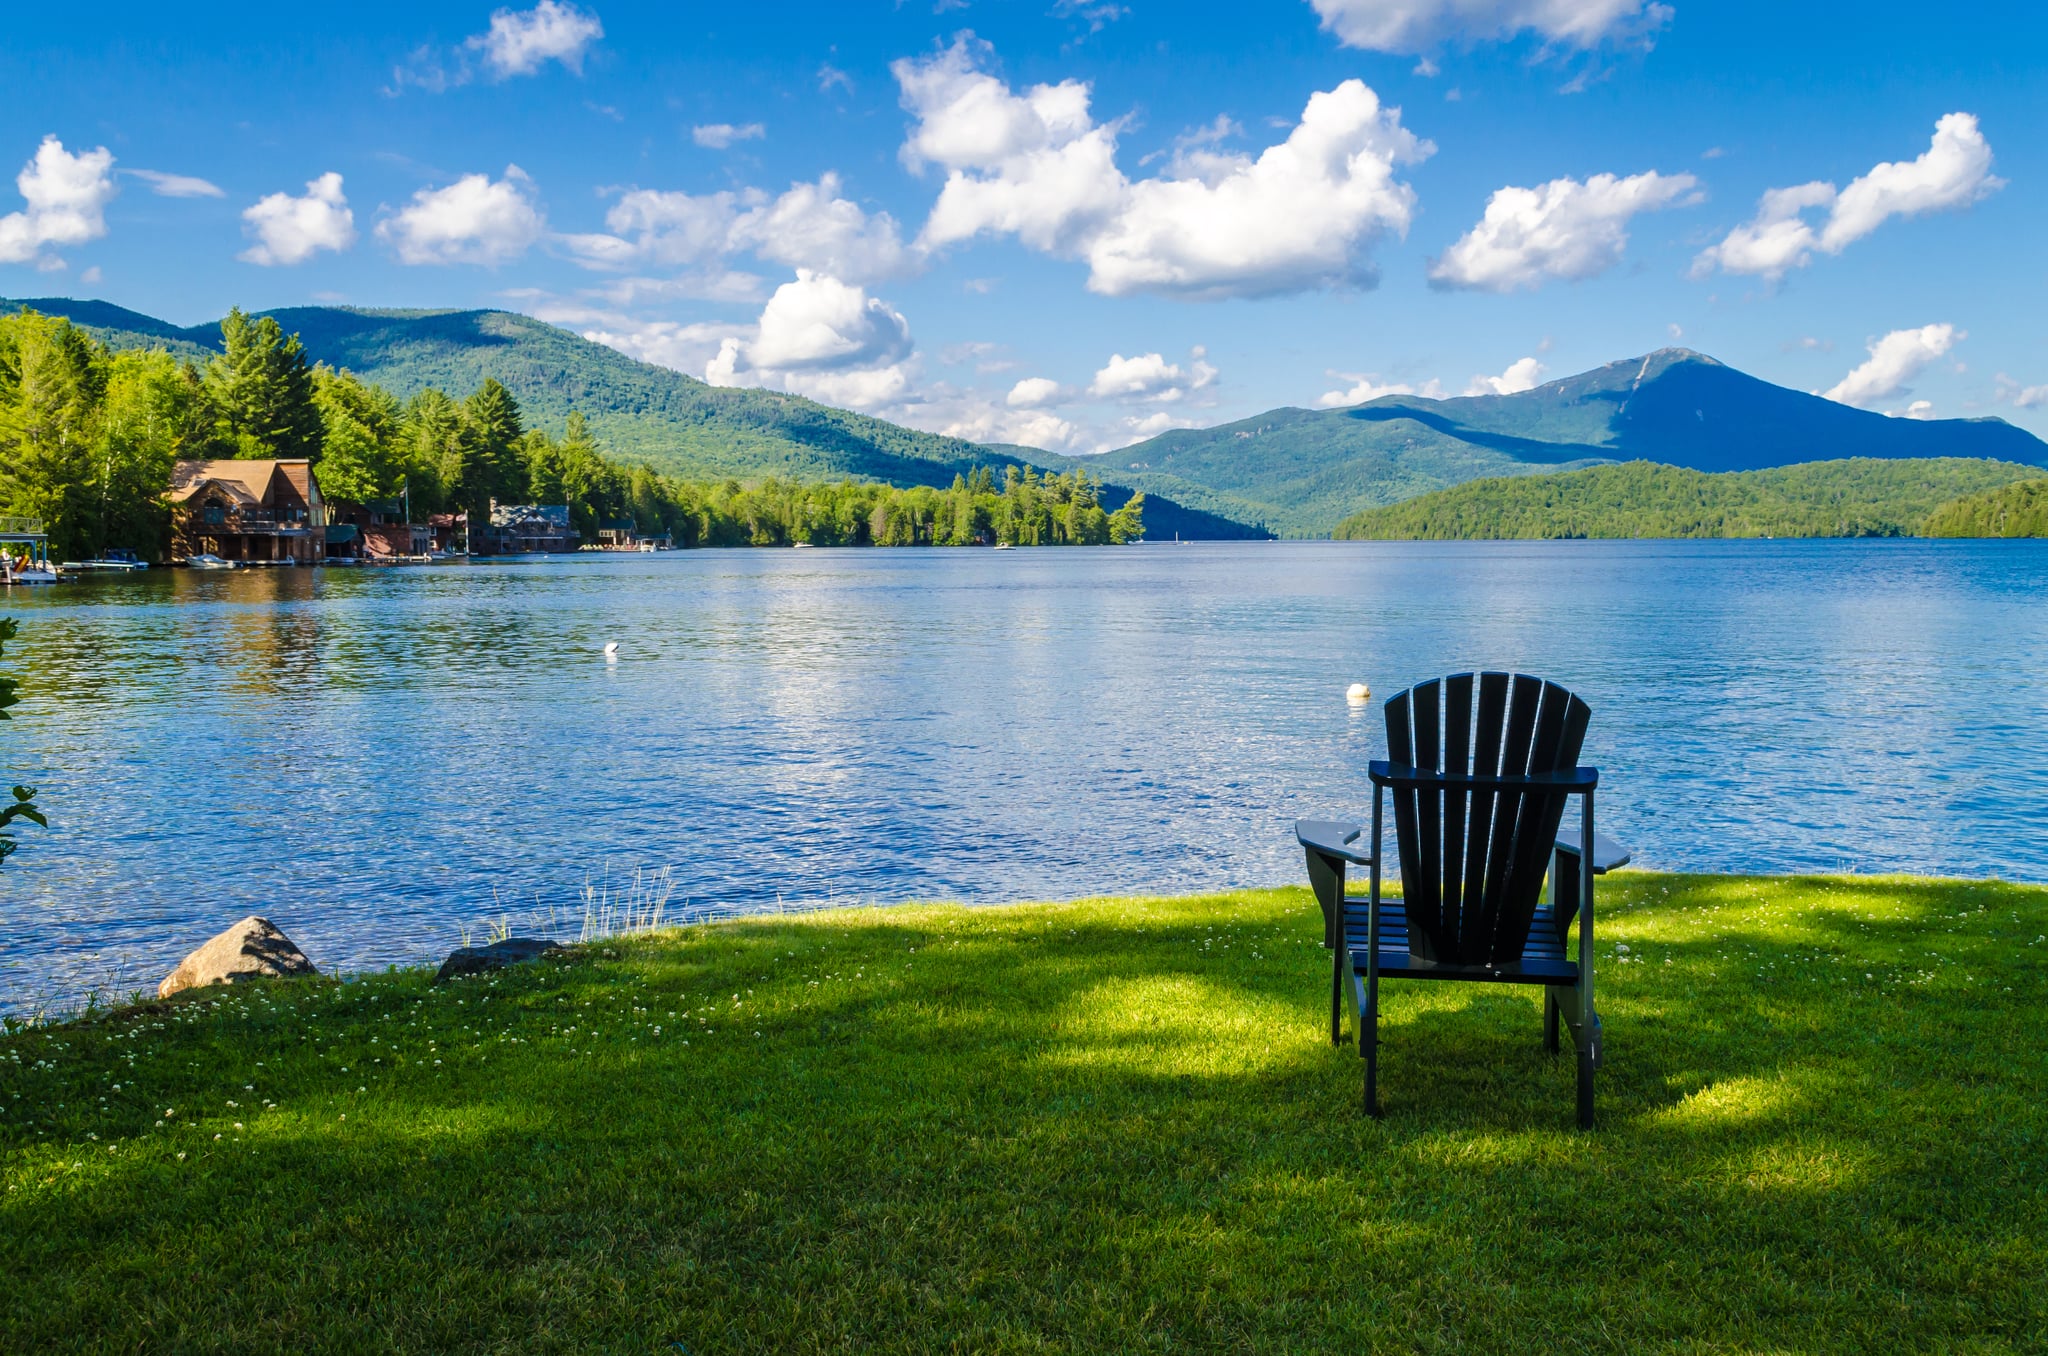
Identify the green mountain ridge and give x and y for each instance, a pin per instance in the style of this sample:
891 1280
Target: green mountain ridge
1295 471
1854 497
1305 470
641 412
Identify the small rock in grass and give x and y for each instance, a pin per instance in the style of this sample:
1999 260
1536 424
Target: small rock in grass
251 949
474 960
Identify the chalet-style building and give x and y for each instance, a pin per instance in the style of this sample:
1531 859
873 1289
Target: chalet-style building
248 511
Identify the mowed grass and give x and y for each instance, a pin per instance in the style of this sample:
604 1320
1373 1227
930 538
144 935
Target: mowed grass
1098 1127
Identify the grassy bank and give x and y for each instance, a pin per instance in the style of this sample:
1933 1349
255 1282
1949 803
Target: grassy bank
1106 1126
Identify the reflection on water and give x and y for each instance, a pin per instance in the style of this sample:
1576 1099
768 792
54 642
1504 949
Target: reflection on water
373 757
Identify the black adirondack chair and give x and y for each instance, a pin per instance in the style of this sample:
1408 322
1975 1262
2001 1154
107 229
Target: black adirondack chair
1480 769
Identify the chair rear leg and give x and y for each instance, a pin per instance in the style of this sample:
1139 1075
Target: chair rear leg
1585 1090
1369 1046
1337 962
1549 1021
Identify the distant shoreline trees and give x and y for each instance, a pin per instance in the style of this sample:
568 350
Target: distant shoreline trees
88 437
1853 497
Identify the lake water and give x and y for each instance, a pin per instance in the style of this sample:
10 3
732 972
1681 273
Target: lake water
376 758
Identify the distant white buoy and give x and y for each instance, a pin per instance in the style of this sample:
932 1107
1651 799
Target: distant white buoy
611 651
1358 694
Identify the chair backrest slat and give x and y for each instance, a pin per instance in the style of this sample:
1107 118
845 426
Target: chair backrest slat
1457 805
1472 862
1524 694
1429 807
1486 733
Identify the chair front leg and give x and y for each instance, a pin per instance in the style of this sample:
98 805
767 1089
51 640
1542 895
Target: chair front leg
1369 1019
1587 1034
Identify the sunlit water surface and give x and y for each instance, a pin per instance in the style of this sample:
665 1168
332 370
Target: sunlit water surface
377 758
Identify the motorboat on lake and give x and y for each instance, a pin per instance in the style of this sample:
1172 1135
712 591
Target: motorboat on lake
25 552
207 560
115 561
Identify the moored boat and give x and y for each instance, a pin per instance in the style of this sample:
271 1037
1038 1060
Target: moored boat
115 561
25 553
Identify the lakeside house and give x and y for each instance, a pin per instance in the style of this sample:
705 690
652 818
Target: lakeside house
522 529
269 510
623 534
448 533
375 531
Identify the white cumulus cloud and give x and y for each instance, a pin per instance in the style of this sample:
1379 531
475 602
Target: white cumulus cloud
1151 378
1033 393
1302 214
520 42
1522 375
2020 394
289 230
475 220
1952 173
824 338
1367 386
719 135
1563 229
66 197
178 185
1415 27
1894 360
974 416
811 226
1034 165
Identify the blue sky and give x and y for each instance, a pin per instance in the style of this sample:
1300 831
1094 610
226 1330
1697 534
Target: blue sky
1074 222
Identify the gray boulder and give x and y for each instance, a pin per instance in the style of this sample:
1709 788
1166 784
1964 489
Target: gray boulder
251 949
474 960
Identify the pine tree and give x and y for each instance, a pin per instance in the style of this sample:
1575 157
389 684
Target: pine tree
491 464
262 389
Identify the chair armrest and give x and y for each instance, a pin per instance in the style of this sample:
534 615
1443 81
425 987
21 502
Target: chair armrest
1333 838
1403 778
1608 855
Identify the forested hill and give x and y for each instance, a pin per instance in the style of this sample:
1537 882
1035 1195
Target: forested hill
1859 497
1304 470
640 412
2016 510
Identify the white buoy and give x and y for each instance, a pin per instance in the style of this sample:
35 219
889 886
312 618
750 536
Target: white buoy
1358 694
611 651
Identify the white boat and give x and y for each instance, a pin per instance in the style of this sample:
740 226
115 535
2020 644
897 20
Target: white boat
25 553
207 560
1004 546
115 561
35 572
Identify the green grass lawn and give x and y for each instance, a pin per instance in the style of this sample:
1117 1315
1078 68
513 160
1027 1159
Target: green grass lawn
1099 1127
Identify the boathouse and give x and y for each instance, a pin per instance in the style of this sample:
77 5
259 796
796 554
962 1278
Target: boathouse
248 511
522 529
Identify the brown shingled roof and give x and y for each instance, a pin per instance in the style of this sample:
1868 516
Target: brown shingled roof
246 482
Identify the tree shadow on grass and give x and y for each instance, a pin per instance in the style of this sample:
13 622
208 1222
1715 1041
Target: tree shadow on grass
1105 1127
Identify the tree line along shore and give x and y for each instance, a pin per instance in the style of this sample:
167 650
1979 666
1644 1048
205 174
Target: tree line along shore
89 437
1850 497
